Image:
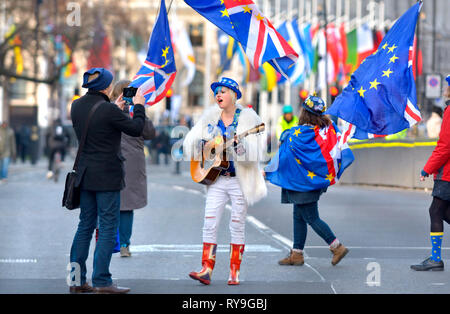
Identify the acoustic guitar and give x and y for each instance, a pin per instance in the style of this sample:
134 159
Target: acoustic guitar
213 161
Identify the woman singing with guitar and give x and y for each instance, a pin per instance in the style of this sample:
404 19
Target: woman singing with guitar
225 152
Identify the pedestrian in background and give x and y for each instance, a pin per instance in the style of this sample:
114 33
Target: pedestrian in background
434 122
58 139
242 181
100 176
7 150
286 121
25 140
439 165
305 171
134 195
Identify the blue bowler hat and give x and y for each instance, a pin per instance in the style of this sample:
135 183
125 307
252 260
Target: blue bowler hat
227 82
315 105
102 82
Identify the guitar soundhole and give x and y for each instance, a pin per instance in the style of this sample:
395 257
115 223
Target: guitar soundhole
213 151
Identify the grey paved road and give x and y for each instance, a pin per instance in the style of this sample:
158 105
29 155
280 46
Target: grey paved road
385 229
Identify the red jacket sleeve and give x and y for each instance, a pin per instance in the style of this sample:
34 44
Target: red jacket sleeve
441 153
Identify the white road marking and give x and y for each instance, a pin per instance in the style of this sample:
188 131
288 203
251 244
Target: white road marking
266 231
18 260
380 247
256 248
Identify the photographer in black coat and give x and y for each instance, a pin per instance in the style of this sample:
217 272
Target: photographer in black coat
101 177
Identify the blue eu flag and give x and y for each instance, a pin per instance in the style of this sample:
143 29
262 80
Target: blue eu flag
309 158
381 96
216 12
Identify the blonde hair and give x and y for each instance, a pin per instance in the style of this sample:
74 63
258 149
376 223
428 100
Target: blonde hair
118 89
233 94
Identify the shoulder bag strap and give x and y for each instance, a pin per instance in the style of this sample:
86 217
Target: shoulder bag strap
83 137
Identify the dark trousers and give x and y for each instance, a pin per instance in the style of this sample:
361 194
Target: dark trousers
104 206
439 212
51 157
308 214
125 227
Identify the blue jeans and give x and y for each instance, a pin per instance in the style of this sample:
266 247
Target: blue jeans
104 206
308 214
126 227
4 164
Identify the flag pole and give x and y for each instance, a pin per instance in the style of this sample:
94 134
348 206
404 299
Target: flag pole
325 2
287 86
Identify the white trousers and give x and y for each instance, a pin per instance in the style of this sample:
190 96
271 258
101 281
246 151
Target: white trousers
218 194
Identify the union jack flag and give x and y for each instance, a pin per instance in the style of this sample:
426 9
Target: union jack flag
158 71
244 22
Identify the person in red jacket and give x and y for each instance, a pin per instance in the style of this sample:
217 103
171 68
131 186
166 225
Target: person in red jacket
439 165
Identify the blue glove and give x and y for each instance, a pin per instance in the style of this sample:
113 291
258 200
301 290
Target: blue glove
424 174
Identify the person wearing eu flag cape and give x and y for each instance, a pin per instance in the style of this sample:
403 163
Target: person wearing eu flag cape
309 160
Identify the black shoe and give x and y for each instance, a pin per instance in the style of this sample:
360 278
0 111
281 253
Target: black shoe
429 264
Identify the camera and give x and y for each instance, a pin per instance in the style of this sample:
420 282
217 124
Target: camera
128 94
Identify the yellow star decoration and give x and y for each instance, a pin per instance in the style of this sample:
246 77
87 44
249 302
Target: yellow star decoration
290 139
259 17
388 72
311 174
165 52
393 59
224 13
247 9
391 49
384 46
297 132
374 84
298 161
221 1
329 177
361 92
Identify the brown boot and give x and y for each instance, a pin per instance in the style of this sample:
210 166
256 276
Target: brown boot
338 254
294 258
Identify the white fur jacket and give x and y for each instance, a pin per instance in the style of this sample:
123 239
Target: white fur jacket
247 167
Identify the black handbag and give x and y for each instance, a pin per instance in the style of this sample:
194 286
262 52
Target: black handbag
71 197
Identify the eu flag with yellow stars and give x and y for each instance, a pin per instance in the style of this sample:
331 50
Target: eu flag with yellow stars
156 75
380 98
216 12
243 21
309 158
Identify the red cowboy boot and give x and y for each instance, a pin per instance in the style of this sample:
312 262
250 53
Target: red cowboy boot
236 252
208 261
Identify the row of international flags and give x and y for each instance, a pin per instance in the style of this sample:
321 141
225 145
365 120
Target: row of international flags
380 97
345 50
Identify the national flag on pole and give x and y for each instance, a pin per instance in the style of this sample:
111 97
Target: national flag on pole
309 158
381 96
227 48
184 48
158 71
365 42
289 31
244 22
100 52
